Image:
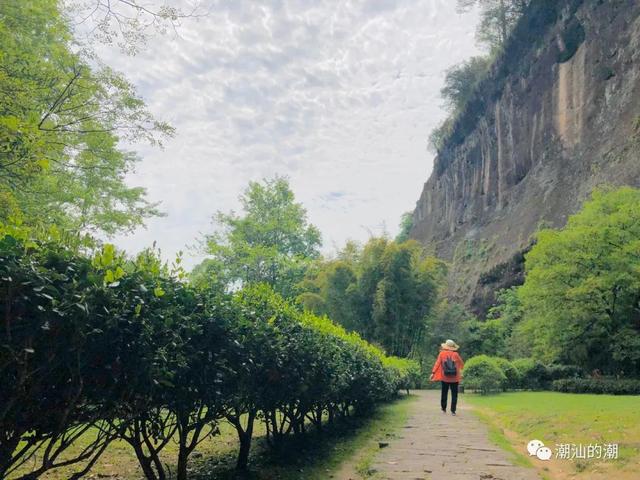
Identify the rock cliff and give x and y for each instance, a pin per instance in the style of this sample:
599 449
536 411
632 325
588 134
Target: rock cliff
558 115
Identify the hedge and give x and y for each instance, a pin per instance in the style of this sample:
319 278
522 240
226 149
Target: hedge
512 374
533 374
483 373
530 374
605 385
125 347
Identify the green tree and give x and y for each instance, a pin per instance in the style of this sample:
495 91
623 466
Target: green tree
497 19
461 81
62 116
384 291
405 292
509 313
581 297
406 224
484 337
444 321
271 242
333 292
439 135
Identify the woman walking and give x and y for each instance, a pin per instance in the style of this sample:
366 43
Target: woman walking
448 371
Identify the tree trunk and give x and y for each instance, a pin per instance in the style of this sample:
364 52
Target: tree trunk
145 464
183 458
243 453
244 436
6 451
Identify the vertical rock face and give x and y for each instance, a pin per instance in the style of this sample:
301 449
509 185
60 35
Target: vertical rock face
558 118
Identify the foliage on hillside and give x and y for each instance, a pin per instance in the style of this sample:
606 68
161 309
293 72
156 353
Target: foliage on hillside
510 27
579 304
580 297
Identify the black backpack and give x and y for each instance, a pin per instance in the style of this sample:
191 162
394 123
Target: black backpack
449 367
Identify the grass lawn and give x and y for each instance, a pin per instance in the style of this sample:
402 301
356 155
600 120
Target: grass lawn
312 457
560 418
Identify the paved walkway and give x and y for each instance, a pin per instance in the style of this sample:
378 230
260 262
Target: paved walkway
435 446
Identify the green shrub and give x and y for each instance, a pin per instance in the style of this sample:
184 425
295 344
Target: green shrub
605 385
533 374
95 339
559 372
483 373
511 373
572 38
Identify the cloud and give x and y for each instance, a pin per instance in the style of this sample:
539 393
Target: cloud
339 96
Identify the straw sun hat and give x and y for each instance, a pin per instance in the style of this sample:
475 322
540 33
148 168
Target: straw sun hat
449 345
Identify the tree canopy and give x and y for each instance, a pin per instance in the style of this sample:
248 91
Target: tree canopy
497 19
384 291
581 299
461 81
62 118
406 224
271 242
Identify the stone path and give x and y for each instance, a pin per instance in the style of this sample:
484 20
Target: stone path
437 446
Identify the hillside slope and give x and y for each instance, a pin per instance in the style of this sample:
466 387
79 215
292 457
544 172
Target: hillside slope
558 114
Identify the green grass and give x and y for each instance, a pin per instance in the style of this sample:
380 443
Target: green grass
314 456
496 436
564 418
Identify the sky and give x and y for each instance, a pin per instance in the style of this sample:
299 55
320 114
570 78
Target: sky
338 96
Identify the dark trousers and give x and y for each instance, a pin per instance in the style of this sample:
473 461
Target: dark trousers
454 395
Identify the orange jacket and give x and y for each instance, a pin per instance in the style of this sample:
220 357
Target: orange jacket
437 370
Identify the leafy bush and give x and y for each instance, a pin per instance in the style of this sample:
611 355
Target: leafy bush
461 80
94 339
605 385
533 374
511 373
483 373
559 372
572 38
54 368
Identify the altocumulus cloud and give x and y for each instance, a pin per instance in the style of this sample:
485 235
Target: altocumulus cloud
337 95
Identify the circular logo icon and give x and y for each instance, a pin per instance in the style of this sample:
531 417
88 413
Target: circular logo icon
543 453
533 446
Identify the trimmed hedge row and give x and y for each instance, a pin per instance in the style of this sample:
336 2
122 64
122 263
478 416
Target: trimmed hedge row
489 374
126 348
605 385
492 374
483 373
